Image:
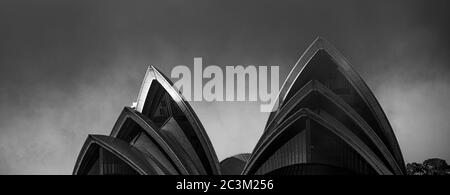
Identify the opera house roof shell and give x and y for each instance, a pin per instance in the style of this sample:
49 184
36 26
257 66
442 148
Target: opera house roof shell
328 122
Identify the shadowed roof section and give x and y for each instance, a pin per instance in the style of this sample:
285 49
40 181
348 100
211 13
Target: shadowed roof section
316 90
192 128
122 130
285 130
127 153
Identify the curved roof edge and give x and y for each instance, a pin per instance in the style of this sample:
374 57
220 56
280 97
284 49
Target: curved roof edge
242 157
153 74
127 153
234 165
317 86
337 128
148 126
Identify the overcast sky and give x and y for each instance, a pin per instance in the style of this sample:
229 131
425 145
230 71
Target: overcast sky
67 68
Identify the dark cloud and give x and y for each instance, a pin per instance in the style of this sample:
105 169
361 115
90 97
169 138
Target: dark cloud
68 67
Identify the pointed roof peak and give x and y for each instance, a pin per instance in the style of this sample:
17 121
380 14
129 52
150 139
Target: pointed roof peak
153 68
321 43
319 39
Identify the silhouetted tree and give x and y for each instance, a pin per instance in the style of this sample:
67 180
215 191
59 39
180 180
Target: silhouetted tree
434 166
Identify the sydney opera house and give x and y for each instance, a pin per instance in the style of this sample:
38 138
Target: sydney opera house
328 122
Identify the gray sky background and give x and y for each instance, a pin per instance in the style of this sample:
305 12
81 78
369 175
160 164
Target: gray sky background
67 68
